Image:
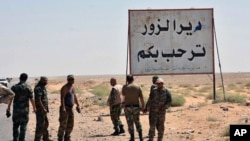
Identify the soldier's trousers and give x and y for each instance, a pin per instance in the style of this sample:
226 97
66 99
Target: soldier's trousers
156 120
133 117
20 119
42 125
115 113
66 120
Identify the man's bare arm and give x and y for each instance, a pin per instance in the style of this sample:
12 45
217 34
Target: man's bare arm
63 94
33 104
9 104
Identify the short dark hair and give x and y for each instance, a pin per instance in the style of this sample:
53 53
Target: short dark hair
130 78
23 76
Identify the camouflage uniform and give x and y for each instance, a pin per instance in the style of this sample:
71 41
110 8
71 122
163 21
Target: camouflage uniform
133 116
66 119
23 93
42 122
132 94
153 86
158 99
115 101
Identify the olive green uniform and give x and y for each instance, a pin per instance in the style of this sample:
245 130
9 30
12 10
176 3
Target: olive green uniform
23 93
42 122
131 94
158 99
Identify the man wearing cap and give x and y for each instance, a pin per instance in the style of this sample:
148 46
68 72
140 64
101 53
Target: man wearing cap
159 100
20 118
114 103
153 86
133 97
66 117
41 102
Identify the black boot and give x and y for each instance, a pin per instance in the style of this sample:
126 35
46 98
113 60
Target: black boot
121 129
116 133
140 136
132 137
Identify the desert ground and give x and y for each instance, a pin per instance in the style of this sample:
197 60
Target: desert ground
197 120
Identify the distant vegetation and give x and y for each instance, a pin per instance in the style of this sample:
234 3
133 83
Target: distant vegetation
102 93
229 97
100 90
177 100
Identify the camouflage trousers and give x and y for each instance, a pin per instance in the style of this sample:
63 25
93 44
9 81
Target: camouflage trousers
115 113
20 119
42 125
133 116
66 120
156 120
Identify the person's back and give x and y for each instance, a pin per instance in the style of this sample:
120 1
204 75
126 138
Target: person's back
133 97
131 94
23 93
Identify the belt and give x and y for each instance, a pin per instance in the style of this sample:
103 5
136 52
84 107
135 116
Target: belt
132 105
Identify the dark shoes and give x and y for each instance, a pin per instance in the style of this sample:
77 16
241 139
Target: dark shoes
121 130
116 133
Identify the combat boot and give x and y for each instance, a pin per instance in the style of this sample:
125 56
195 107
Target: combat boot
140 135
132 137
121 129
116 133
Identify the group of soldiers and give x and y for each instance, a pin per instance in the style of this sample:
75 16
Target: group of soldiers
130 98
21 93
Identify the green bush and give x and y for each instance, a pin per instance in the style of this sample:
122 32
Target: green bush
205 89
177 100
236 98
231 86
232 98
219 95
100 90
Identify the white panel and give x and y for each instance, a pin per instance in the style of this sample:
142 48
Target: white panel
171 41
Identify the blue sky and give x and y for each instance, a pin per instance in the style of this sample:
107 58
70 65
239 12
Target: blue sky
81 37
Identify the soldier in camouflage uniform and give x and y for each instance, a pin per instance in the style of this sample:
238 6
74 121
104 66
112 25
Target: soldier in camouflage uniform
66 117
114 103
153 86
23 93
41 102
159 100
132 94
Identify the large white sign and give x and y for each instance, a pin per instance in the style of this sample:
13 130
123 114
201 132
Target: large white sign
175 41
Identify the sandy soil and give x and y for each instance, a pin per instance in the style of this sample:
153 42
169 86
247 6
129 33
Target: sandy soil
197 120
